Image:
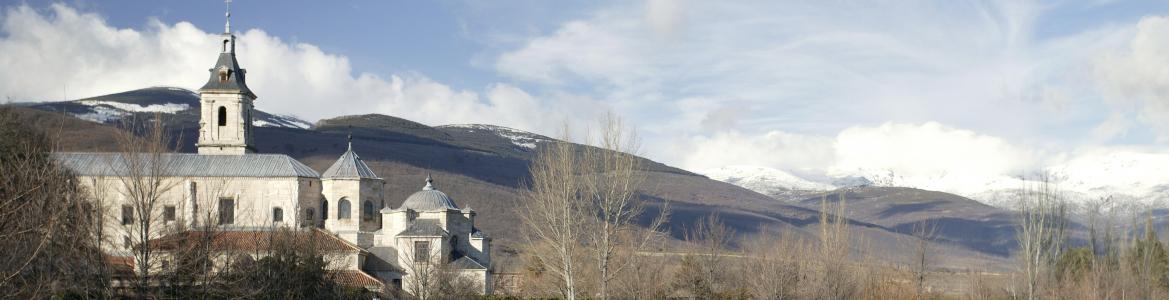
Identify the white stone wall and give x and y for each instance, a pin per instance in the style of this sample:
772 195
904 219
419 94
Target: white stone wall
357 192
254 200
235 136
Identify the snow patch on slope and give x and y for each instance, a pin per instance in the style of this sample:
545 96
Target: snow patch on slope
169 108
764 180
284 121
101 114
519 138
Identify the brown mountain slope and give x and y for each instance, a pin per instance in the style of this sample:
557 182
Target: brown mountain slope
484 167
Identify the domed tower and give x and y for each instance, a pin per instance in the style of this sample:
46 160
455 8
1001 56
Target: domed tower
429 225
226 103
351 196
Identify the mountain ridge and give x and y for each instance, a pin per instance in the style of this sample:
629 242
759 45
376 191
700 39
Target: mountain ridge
485 166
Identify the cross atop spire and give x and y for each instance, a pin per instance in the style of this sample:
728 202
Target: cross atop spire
429 183
227 26
350 138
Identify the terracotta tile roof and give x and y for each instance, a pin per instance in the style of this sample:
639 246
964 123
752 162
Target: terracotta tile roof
251 240
354 278
120 266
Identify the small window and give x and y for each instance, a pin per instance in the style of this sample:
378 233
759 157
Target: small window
168 213
126 243
421 251
222 116
343 209
309 214
277 214
194 191
226 211
127 215
165 265
324 209
367 210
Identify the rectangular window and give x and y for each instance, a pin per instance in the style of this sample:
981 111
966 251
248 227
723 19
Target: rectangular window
421 251
168 213
277 214
126 243
127 215
226 211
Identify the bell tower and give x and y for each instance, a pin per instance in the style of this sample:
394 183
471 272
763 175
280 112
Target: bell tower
225 117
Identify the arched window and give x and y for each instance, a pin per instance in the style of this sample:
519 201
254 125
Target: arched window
367 210
343 209
222 116
277 214
324 210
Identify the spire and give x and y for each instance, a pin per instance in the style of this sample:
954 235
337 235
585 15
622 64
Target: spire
429 183
350 138
227 25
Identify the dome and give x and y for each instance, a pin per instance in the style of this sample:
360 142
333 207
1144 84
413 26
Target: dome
429 199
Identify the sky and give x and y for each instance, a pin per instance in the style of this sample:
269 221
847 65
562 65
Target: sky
951 95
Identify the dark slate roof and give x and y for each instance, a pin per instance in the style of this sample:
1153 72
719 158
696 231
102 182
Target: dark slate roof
466 262
349 166
476 233
424 227
380 260
235 82
429 199
189 165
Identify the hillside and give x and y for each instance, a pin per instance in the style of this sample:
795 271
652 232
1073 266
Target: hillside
957 220
484 167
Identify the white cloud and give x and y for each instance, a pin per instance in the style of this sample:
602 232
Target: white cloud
927 155
1136 80
819 67
66 48
929 149
805 155
931 156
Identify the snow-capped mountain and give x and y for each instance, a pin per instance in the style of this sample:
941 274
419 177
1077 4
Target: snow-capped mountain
767 181
524 140
166 100
1128 176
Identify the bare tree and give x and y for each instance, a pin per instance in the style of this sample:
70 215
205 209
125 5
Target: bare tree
774 267
923 235
582 209
611 177
553 214
189 269
704 271
1041 233
423 268
45 225
835 281
146 175
433 276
